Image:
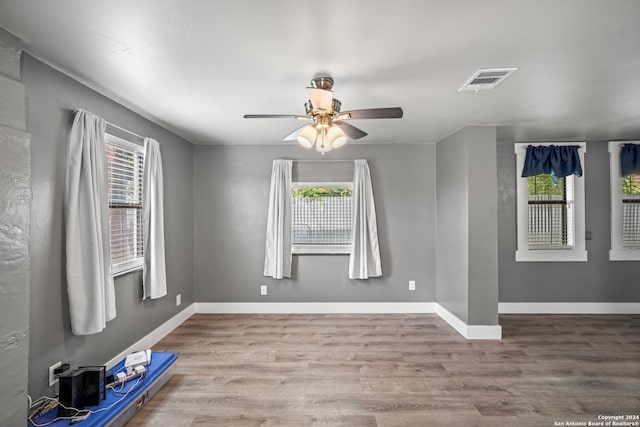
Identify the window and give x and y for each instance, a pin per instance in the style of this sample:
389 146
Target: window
321 218
625 209
631 212
125 162
550 213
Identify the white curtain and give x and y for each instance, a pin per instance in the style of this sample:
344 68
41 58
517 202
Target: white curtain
364 259
154 275
89 280
277 252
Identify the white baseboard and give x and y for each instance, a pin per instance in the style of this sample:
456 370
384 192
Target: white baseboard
484 332
470 332
569 308
467 331
315 307
473 332
154 336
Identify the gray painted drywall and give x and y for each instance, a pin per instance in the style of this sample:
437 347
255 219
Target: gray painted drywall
467 260
598 279
50 96
15 263
232 188
483 226
452 290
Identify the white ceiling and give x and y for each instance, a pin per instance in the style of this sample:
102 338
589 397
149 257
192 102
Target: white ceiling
196 66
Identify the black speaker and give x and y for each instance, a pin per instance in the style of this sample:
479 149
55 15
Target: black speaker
71 393
94 386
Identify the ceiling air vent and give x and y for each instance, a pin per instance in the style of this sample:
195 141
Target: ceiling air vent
486 79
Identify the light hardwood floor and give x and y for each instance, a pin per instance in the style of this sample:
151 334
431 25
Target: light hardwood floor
393 370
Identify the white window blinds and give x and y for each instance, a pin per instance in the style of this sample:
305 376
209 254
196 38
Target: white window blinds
125 162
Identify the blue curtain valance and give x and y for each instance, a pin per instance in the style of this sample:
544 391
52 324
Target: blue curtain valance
557 160
630 159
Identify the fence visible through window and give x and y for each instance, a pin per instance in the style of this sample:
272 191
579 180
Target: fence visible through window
631 211
321 215
550 212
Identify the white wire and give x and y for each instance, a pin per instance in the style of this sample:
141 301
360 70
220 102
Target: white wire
57 418
123 396
83 410
120 389
37 402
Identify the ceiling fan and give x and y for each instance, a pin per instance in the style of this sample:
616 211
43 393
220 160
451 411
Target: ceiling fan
328 129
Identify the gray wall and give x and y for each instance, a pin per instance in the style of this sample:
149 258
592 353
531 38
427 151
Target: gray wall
15 197
598 279
232 188
453 225
50 95
483 226
467 250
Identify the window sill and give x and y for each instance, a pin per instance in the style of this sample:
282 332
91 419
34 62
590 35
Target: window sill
551 255
126 267
320 250
624 255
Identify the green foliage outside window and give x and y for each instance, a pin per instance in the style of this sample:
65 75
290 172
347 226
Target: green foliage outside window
320 192
631 185
545 185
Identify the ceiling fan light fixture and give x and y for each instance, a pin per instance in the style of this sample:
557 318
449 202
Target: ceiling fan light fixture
336 137
323 143
320 98
329 128
307 136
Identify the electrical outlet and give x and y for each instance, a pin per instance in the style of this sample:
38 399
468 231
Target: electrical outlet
412 285
52 377
263 289
178 299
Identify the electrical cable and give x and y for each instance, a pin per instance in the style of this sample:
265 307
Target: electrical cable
79 411
137 385
46 398
133 387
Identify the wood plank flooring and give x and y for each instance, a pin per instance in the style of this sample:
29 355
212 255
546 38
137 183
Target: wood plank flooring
266 370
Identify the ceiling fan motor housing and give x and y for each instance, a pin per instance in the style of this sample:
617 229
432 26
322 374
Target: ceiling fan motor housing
325 83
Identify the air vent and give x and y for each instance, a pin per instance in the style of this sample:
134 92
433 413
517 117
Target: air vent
486 79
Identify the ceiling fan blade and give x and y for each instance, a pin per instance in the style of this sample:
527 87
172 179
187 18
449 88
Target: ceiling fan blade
294 135
272 116
350 130
375 113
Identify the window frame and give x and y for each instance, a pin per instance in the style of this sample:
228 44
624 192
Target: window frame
568 205
134 264
561 254
618 252
303 249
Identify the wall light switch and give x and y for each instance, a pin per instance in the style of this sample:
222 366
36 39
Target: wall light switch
412 285
263 289
178 299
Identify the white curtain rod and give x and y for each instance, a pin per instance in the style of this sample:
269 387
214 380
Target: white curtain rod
76 109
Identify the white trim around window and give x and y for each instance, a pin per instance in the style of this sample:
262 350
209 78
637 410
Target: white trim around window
617 251
131 264
578 251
